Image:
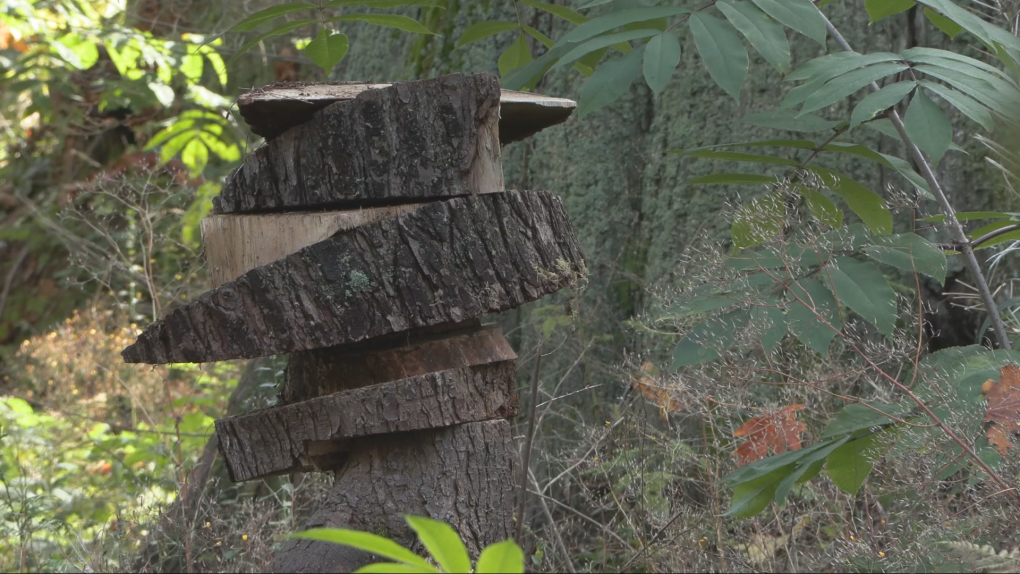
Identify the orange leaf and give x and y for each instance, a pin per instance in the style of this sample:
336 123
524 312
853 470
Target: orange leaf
777 430
658 394
1003 408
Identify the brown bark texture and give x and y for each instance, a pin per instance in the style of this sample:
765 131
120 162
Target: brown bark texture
417 140
272 110
446 262
282 439
462 475
312 374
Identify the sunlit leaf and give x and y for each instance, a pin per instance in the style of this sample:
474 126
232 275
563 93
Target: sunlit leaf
515 56
327 49
878 9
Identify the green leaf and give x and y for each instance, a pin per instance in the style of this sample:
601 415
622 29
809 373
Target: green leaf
738 156
801 15
326 51
609 82
782 143
758 221
807 467
838 68
272 13
367 542
707 339
822 65
909 252
545 40
722 51
731 178
388 20
821 208
601 42
395 568
501 557
195 155
878 9
863 288
839 88
387 3
849 465
753 496
515 56
772 321
858 417
970 216
928 127
808 299
597 26
288 27
868 205
567 14
442 542
963 103
976 88
662 55
790 121
880 101
767 37
529 74
947 26
482 30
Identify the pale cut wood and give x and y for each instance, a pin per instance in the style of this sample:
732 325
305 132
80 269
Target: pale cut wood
308 435
236 244
312 374
272 110
427 139
462 475
445 262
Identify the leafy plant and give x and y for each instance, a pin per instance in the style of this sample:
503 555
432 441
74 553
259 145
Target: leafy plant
328 47
438 538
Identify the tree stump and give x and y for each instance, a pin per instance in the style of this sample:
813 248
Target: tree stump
393 383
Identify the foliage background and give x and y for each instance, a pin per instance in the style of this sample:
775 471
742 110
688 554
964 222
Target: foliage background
626 486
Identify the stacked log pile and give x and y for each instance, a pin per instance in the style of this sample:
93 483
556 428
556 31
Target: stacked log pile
366 239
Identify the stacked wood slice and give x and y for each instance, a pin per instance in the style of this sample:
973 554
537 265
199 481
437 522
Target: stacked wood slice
366 238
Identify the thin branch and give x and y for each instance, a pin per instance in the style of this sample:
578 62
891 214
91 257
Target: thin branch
526 458
955 228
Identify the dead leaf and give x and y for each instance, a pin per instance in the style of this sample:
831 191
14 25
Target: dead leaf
1003 408
663 397
777 430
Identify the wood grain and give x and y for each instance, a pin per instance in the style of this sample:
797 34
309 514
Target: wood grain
445 262
272 110
304 436
235 244
435 138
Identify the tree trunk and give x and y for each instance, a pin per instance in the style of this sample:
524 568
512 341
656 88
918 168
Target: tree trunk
313 434
426 139
461 475
445 262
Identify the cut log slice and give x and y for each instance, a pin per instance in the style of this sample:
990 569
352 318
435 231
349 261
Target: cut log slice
312 374
309 435
418 140
445 262
274 109
236 244
462 475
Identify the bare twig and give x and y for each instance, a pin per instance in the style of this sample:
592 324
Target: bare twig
526 457
552 524
10 278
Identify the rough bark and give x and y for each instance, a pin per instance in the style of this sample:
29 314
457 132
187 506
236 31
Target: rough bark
236 244
425 139
312 374
446 262
282 439
272 110
462 475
